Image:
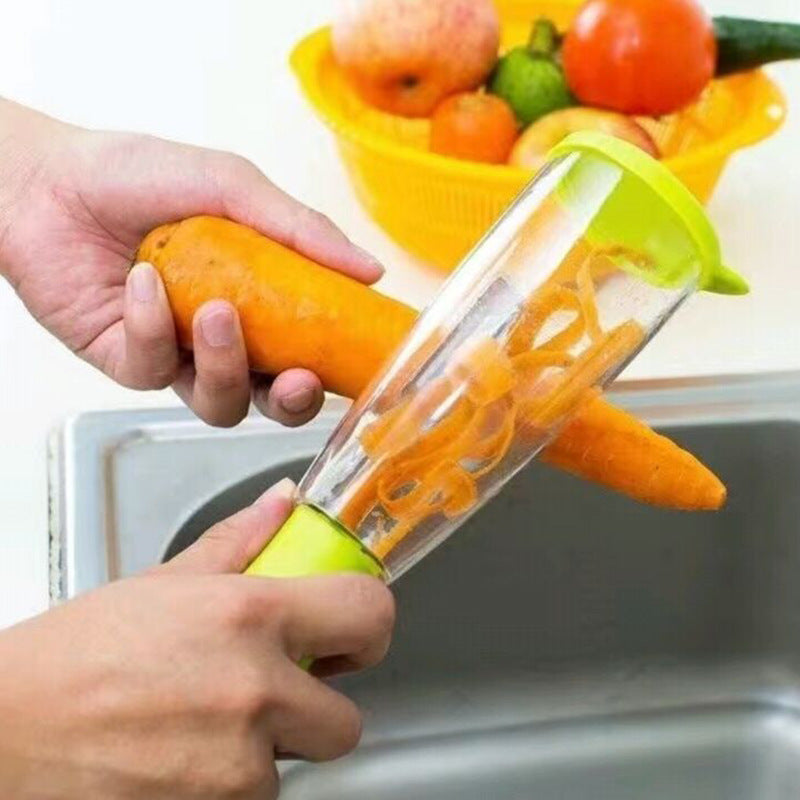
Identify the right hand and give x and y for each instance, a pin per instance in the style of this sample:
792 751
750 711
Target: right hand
183 682
74 207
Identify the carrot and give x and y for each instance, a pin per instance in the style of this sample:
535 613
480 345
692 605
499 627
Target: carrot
487 371
296 313
538 311
605 444
583 374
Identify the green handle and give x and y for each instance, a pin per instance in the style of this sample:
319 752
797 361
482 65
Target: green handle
311 543
647 197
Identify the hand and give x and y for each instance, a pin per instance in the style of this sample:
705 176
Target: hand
182 683
74 206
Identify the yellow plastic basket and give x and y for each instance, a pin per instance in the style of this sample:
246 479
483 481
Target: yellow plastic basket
438 207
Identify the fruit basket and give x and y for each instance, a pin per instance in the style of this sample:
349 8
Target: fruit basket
438 207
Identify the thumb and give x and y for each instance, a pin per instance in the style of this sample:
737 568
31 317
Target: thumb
232 544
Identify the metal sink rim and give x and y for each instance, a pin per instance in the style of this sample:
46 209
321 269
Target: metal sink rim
78 447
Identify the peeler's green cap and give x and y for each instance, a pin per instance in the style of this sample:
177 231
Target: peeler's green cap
312 543
714 276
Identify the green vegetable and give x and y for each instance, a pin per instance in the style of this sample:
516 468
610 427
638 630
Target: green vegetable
530 79
744 44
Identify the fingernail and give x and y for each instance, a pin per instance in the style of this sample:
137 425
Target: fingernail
217 327
143 283
298 401
282 490
371 260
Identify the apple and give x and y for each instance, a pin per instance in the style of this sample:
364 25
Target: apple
544 134
405 56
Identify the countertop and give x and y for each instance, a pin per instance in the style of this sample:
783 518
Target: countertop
215 74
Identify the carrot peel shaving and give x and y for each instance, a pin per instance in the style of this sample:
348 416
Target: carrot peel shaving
429 452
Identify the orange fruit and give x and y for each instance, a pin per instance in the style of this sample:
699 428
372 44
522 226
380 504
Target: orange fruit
475 127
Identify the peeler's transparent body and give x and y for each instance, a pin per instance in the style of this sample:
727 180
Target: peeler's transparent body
547 309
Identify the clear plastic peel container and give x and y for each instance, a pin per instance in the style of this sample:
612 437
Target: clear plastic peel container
588 263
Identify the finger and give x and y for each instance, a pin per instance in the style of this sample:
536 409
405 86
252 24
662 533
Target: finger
317 237
318 724
151 349
293 398
221 392
232 544
183 385
341 615
250 198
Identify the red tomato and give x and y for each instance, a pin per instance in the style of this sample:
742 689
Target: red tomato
640 56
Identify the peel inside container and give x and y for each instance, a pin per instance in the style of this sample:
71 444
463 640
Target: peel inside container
588 263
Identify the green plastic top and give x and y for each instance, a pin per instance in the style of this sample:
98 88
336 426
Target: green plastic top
311 543
714 276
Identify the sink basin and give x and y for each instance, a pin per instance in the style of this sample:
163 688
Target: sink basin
565 644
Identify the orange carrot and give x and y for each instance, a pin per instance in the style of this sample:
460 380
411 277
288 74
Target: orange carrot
538 310
607 445
487 371
296 313
582 375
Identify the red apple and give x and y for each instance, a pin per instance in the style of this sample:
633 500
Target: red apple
404 56
539 138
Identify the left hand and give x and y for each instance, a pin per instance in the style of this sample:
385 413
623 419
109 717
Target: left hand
182 683
74 206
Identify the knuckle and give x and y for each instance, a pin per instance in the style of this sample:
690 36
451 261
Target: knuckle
239 611
315 217
253 697
151 334
311 218
237 167
273 604
224 378
373 595
160 375
247 697
223 543
259 605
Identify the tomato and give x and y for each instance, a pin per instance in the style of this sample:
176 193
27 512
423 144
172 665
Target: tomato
640 56
476 127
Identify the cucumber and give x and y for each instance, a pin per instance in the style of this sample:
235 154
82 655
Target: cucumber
744 44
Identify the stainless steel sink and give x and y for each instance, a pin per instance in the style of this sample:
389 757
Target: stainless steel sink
566 644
